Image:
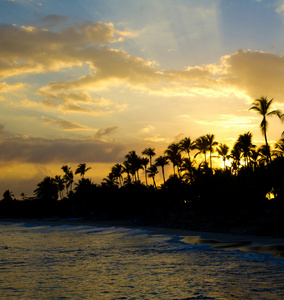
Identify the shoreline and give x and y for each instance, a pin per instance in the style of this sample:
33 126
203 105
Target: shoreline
264 244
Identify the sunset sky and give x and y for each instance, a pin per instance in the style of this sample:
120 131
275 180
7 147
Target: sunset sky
87 81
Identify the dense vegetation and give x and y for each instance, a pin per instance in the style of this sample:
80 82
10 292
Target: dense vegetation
246 195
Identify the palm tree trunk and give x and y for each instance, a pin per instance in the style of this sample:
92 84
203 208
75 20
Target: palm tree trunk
163 171
146 177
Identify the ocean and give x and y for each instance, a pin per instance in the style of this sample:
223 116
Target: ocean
60 261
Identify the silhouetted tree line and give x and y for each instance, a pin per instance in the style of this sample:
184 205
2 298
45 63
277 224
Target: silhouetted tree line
246 195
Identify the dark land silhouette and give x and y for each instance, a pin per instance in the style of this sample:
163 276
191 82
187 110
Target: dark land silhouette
245 197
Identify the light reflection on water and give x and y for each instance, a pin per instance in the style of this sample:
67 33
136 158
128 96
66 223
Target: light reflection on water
85 262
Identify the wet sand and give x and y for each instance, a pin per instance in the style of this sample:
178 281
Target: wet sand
265 244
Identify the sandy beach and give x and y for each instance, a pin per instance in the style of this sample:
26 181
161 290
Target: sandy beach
265 244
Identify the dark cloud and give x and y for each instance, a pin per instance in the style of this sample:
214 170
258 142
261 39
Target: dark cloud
105 131
44 151
65 125
2 126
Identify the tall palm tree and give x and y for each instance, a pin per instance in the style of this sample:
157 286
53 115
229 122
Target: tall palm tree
186 145
149 152
173 153
152 171
263 106
144 162
223 151
162 161
82 169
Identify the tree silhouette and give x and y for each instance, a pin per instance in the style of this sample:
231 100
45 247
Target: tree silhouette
202 145
186 145
244 143
152 171
116 171
188 167
60 185
162 161
134 163
82 169
279 148
68 177
149 152
8 195
262 106
173 153
211 143
236 157
223 151
265 154
144 162
47 189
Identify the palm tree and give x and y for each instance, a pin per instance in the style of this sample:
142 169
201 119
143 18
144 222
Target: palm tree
82 169
8 195
244 143
162 161
211 143
236 157
188 167
144 162
135 163
127 169
68 177
223 151
116 171
149 152
186 145
254 155
110 180
279 148
152 171
173 153
262 106
60 185
47 189
264 152
201 144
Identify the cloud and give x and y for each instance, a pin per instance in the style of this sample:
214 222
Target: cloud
2 126
105 131
156 139
229 121
5 88
280 9
27 49
245 74
45 151
95 107
65 125
147 129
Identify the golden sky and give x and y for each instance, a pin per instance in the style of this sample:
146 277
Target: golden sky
88 81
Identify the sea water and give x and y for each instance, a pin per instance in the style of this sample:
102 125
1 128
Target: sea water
40 261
